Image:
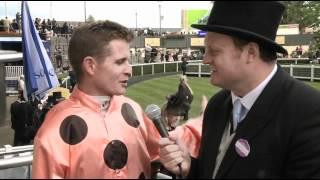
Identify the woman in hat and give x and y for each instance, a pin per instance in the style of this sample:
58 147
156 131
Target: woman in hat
263 123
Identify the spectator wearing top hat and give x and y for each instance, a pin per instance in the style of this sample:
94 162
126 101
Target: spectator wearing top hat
261 124
57 97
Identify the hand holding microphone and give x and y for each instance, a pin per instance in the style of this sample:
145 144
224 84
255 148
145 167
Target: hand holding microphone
173 154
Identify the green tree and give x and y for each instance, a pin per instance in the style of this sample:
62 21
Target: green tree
90 19
304 13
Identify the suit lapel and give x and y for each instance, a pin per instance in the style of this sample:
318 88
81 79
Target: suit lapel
256 119
218 116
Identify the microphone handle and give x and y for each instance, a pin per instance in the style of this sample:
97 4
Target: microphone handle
164 133
161 128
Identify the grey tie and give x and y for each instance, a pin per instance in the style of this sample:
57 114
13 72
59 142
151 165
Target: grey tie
238 113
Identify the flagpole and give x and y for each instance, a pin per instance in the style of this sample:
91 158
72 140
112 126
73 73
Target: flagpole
160 15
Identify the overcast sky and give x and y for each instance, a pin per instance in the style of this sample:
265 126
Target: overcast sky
123 12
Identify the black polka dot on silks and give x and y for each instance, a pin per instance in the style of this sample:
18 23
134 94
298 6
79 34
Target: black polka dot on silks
129 115
142 176
116 155
73 130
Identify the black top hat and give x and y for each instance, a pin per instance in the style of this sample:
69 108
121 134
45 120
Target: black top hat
57 97
256 21
57 94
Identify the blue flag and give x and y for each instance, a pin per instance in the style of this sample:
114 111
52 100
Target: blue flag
39 73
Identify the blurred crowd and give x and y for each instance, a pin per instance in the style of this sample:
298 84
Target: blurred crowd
154 55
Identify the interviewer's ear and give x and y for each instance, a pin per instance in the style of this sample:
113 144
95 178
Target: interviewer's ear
89 65
253 51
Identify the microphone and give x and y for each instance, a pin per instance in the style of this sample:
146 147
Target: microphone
153 111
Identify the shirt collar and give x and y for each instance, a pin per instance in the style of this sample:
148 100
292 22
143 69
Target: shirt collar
249 99
97 103
103 101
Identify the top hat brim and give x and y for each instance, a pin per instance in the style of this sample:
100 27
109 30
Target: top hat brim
241 33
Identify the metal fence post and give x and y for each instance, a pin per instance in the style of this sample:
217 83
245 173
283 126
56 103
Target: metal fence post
177 66
312 73
142 69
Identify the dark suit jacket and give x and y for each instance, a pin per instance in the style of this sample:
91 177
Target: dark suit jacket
22 122
282 128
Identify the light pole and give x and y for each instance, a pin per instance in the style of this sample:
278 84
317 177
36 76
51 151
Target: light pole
136 21
136 33
160 15
51 14
5 7
85 12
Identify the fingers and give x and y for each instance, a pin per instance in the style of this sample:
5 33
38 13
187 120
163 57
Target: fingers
174 154
165 142
171 156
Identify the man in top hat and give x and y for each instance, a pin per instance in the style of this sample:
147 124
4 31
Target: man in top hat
263 123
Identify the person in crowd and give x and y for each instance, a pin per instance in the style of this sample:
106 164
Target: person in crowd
153 54
167 56
58 56
22 88
98 132
184 65
147 55
318 53
22 121
299 50
73 80
6 24
18 20
263 123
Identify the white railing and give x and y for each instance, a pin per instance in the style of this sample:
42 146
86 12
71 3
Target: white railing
13 72
154 70
16 162
195 67
309 71
295 60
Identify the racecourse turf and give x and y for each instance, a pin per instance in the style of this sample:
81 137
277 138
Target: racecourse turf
154 91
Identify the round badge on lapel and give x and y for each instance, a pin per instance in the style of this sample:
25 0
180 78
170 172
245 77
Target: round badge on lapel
242 147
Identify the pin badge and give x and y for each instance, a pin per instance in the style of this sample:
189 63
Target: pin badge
242 147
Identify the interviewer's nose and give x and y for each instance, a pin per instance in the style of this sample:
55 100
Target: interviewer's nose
205 60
